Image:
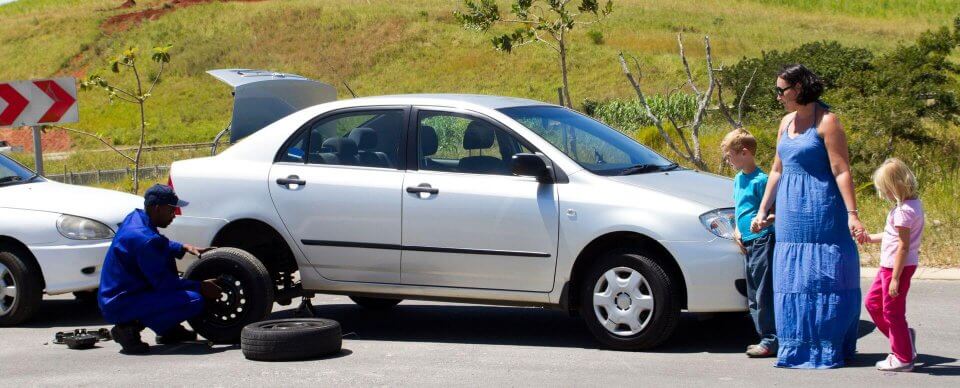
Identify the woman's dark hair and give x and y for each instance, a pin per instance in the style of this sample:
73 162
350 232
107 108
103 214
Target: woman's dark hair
811 87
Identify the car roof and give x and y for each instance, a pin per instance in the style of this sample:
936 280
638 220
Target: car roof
491 102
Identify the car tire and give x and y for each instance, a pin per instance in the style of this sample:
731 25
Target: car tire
375 303
21 286
290 339
638 310
247 293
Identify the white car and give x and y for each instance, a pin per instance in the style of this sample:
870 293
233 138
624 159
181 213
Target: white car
462 198
53 238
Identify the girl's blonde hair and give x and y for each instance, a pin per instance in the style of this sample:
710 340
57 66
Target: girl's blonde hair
895 179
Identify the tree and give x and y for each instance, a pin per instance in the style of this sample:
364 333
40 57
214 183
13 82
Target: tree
128 60
702 96
546 22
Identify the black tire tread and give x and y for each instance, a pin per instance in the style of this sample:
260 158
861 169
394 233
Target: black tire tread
29 285
261 344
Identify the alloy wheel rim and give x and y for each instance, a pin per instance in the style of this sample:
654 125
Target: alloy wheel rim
8 290
623 301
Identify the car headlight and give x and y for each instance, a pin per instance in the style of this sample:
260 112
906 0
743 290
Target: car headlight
719 222
79 228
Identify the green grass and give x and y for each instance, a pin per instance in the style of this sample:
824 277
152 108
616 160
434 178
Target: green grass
387 47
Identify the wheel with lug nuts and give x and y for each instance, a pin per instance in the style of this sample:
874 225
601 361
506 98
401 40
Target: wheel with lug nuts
629 301
246 293
21 287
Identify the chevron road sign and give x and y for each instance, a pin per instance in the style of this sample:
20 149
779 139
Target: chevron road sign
29 103
37 102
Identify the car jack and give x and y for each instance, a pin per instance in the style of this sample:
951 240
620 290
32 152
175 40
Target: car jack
306 308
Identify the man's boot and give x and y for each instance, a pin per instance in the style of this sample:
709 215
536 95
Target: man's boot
176 335
128 336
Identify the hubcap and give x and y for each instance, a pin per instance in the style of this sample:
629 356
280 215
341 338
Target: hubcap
623 301
8 290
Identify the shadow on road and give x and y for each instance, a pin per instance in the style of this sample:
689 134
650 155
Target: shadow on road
495 325
66 313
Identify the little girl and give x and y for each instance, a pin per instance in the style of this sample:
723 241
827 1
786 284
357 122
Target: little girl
899 251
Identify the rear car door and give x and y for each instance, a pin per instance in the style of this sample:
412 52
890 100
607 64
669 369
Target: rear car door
467 221
337 184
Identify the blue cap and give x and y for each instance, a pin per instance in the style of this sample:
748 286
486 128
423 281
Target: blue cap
162 195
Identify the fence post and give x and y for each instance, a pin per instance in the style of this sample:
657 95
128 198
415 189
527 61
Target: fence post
98 176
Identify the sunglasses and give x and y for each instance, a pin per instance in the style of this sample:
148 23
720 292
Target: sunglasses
780 90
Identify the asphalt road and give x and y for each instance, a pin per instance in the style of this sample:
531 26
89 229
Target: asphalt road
424 343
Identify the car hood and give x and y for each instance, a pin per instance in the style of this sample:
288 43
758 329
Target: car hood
707 189
107 206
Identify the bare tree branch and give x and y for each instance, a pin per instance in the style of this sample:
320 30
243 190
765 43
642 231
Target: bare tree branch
643 100
743 97
95 137
156 80
686 66
702 106
724 110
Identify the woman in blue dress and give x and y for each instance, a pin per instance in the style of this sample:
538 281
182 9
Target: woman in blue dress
816 267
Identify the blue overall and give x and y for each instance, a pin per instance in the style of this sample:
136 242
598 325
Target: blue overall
139 280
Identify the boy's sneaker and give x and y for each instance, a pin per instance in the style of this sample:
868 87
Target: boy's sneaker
913 342
128 336
893 364
759 351
176 335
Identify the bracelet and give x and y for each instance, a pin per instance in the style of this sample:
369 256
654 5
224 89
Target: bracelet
853 212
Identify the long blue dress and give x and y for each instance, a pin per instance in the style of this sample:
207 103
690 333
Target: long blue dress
816 266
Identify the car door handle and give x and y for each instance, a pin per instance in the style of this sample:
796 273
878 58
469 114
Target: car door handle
422 188
291 180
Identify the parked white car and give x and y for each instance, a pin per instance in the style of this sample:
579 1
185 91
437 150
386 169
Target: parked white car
465 198
53 238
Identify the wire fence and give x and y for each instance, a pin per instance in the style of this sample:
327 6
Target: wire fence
101 176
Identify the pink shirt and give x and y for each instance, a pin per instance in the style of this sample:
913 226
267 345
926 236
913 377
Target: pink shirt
909 215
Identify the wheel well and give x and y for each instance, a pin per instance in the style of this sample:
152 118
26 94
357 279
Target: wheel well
14 244
260 240
621 240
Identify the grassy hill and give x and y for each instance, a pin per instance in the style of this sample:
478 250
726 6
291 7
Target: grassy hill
410 46
385 47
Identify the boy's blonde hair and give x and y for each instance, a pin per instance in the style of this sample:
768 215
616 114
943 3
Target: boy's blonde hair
737 140
894 178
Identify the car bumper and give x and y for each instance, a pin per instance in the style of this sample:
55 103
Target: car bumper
68 268
712 271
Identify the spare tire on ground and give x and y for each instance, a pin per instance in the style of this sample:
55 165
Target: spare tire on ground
290 339
247 293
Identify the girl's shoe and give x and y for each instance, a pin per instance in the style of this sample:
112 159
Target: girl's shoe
759 351
892 364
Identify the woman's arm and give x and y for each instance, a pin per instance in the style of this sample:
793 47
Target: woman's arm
836 142
773 178
899 259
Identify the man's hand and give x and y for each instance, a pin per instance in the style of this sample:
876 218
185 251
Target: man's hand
210 289
194 250
894 290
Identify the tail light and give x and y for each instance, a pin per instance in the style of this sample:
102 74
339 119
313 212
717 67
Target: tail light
170 183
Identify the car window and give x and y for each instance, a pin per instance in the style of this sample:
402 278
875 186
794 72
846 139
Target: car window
593 145
456 142
360 138
12 172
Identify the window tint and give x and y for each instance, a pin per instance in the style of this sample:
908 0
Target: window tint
362 138
459 143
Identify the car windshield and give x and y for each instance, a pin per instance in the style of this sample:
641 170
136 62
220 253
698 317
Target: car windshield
12 172
595 146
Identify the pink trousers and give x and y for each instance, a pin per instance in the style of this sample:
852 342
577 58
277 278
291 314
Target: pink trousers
889 313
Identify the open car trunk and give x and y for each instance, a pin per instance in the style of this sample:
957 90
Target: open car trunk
261 97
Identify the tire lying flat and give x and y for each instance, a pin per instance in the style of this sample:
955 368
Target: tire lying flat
290 339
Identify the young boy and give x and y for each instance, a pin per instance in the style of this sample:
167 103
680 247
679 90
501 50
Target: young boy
739 148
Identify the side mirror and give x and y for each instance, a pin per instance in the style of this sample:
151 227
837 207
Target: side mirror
532 165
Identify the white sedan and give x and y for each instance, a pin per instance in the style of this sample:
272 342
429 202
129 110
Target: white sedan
53 237
463 198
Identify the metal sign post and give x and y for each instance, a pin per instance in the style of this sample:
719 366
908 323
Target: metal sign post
37 152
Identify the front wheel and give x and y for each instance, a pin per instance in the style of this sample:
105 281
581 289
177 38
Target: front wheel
629 302
247 293
21 287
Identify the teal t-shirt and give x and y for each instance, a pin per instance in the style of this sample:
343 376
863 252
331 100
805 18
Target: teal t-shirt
747 193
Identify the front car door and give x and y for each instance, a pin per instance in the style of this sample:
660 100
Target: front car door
467 221
337 187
